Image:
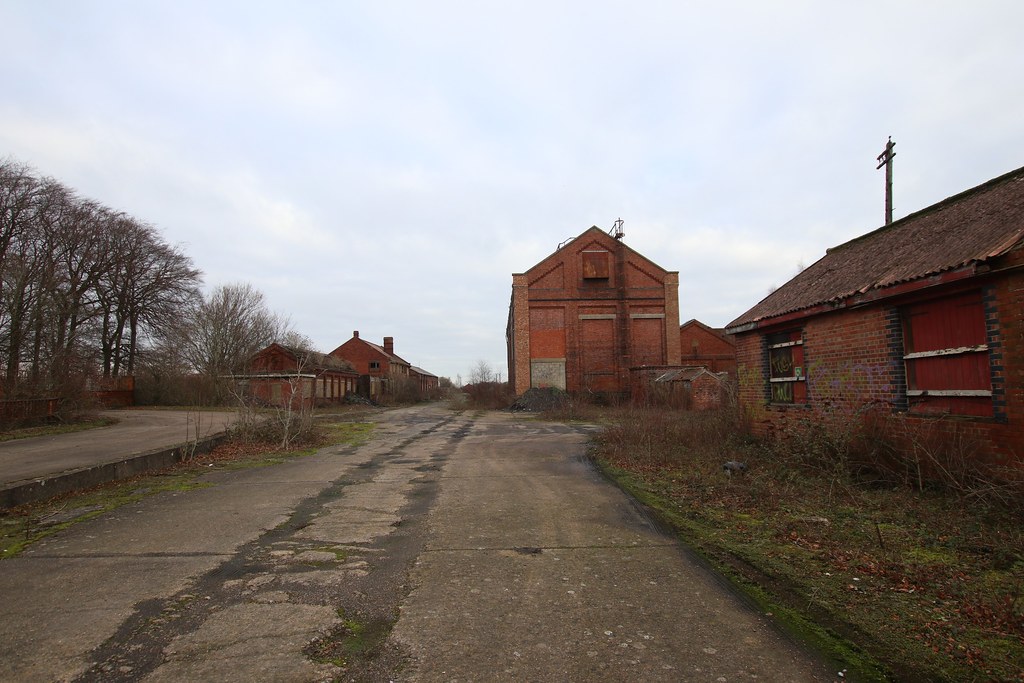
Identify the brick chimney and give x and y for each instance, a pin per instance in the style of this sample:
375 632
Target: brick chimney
355 334
389 345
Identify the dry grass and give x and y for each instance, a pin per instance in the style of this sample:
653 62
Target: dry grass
929 586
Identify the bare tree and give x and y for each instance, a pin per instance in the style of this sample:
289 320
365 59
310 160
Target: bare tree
481 372
144 292
79 282
222 331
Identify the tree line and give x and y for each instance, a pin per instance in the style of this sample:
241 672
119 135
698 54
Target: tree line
89 291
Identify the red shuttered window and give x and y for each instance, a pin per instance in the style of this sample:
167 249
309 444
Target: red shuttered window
946 356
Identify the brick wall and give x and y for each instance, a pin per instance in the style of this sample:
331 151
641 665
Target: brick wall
595 308
361 354
854 360
699 345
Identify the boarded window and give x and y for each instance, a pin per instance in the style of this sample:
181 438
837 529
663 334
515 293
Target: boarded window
595 265
547 333
597 352
946 356
787 378
648 341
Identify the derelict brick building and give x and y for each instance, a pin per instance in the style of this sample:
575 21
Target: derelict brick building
586 314
923 318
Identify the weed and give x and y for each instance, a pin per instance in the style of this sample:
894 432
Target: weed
351 640
900 567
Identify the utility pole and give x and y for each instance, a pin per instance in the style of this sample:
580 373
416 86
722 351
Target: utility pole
885 159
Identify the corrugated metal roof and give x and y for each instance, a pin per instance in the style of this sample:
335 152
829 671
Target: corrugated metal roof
982 223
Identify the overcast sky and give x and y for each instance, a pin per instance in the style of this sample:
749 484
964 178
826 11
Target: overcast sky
387 166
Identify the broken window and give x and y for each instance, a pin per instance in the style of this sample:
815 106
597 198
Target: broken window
375 365
787 380
946 356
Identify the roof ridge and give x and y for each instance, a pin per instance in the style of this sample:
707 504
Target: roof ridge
937 206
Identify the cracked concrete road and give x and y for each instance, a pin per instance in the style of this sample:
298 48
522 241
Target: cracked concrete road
456 547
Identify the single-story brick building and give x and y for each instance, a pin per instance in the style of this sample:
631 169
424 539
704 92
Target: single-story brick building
427 382
585 315
704 346
687 387
278 373
923 317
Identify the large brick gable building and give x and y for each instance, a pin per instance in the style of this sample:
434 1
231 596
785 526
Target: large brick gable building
584 316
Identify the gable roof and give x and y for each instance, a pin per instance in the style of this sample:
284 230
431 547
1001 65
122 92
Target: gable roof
314 359
721 334
593 233
961 231
688 374
376 347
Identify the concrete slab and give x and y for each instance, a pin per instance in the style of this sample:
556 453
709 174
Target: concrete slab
42 467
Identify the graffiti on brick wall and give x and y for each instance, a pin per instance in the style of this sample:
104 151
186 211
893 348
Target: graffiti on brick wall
850 383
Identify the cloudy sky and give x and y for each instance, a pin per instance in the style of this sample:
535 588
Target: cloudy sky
386 166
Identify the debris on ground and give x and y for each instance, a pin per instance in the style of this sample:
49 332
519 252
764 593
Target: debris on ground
540 400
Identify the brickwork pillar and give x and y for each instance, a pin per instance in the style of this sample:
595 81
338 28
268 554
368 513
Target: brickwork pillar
672 350
519 328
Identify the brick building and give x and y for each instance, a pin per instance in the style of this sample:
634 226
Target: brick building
687 387
703 346
584 316
278 373
428 383
378 366
923 317
370 359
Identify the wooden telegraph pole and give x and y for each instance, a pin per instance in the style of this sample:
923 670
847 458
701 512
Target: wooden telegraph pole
885 159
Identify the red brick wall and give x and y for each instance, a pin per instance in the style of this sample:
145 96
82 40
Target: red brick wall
707 392
701 346
854 359
1005 312
601 326
360 354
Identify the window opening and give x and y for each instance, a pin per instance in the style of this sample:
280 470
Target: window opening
787 376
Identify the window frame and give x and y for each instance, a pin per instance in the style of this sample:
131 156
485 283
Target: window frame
787 386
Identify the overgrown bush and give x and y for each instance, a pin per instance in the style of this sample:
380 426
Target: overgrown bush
276 425
657 437
876 447
488 395
887 529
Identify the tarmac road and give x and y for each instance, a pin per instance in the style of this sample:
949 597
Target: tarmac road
136 431
499 551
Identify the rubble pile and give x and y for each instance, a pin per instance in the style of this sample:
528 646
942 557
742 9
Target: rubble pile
540 400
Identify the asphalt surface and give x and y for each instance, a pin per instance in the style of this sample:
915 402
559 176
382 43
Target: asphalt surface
455 547
136 431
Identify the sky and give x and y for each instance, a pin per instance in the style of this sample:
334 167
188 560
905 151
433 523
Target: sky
386 166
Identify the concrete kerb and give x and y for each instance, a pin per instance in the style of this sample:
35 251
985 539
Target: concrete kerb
51 486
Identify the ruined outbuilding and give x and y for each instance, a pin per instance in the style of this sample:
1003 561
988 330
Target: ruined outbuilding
300 378
583 317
